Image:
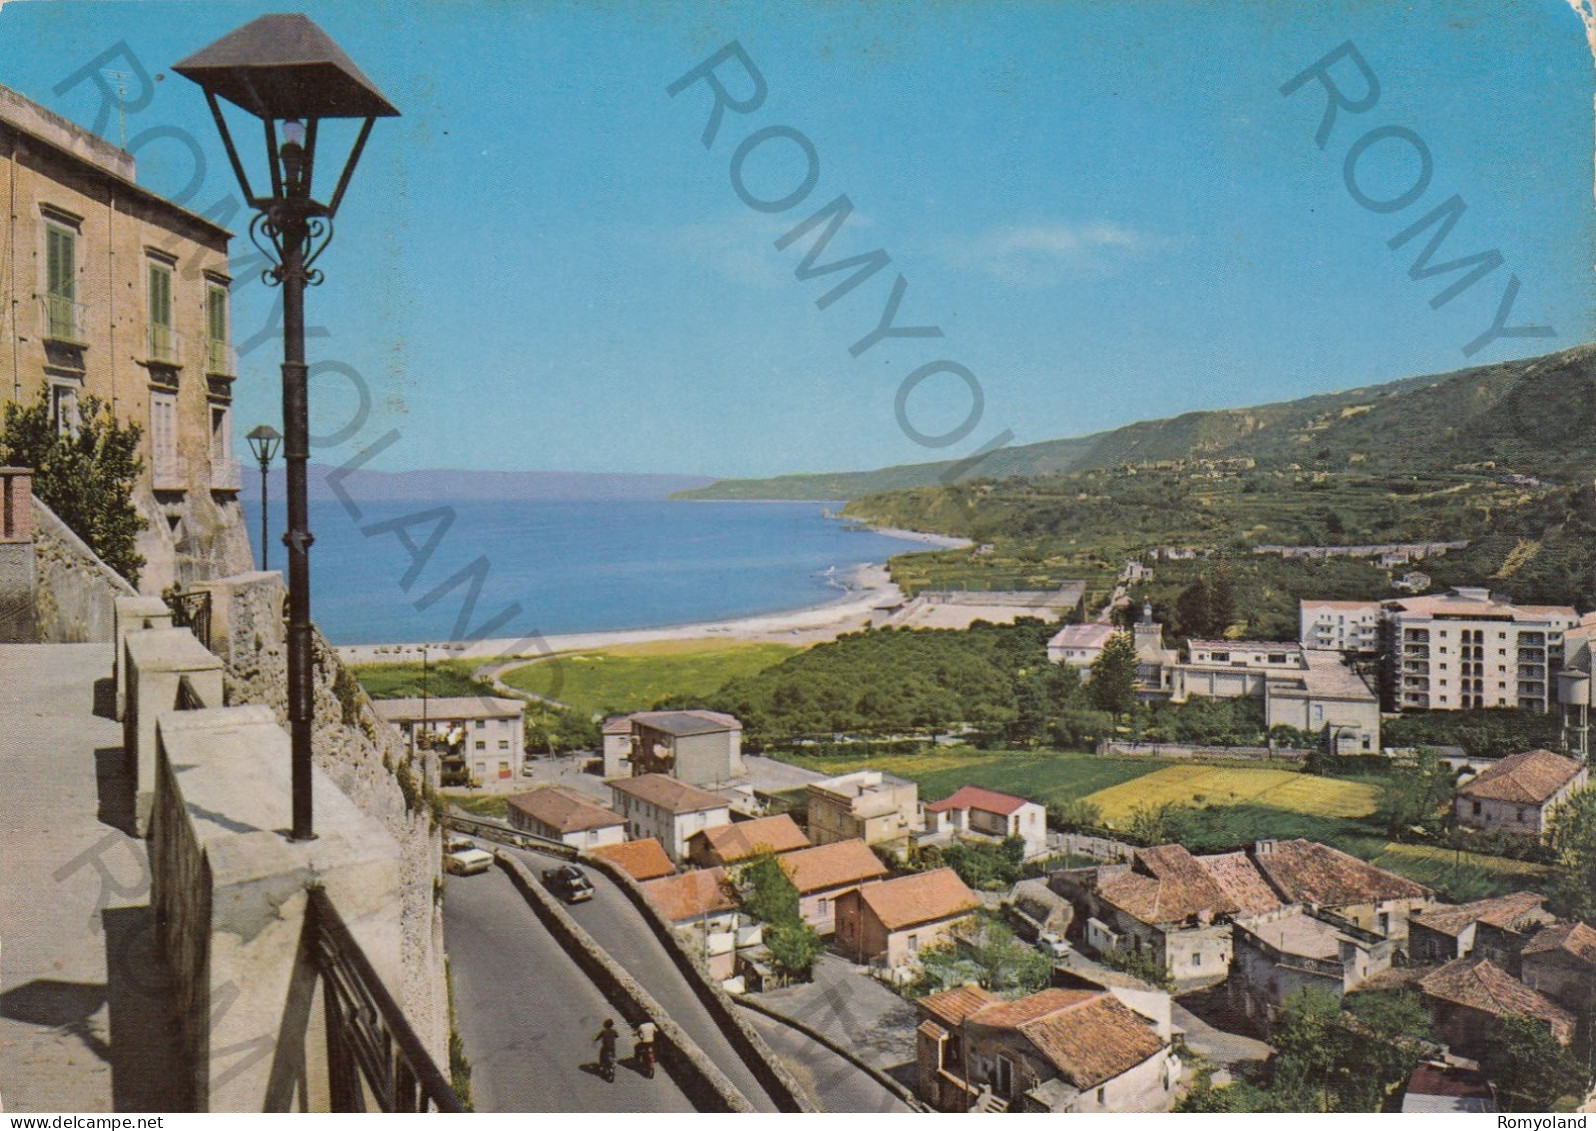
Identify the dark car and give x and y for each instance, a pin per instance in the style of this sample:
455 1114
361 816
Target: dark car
568 882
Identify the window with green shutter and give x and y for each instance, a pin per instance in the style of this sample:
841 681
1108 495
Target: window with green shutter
60 291
217 354
160 295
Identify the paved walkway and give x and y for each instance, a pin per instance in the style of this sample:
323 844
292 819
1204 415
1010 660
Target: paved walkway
82 1021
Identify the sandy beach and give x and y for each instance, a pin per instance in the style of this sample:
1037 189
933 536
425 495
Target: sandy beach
867 586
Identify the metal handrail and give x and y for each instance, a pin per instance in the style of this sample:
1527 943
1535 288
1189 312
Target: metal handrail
371 1047
221 359
163 345
187 698
192 611
63 319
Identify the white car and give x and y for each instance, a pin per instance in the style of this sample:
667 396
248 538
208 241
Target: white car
467 862
1050 944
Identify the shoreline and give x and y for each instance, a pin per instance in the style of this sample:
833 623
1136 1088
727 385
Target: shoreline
867 586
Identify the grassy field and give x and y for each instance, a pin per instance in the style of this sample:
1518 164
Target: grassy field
1225 786
486 806
404 681
1045 776
634 677
1427 863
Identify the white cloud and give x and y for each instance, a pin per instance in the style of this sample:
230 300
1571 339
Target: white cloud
1034 255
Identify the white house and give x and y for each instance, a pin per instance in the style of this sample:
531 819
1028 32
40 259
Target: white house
986 812
670 811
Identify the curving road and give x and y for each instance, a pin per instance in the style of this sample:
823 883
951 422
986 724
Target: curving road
527 1012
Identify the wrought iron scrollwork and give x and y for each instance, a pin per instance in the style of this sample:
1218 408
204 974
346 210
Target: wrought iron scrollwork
266 232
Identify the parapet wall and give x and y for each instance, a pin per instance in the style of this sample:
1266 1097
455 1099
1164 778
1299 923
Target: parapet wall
365 757
74 591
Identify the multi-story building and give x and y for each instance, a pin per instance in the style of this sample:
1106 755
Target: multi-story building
1468 649
117 293
480 737
1345 626
670 811
865 805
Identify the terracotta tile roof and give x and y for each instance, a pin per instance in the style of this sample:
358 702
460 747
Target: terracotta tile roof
921 898
1499 911
1479 984
691 895
1302 871
665 792
1166 884
1241 882
1574 938
641 859
951 1007
1532 777
832 865
618 724
974 797
1394 978
742 839
1022 1011
563 810
444 710
1443 1080
1088 1036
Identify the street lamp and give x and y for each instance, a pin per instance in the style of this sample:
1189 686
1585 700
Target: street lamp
284 70
264 441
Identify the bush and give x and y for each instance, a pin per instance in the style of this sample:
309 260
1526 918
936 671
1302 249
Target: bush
86 477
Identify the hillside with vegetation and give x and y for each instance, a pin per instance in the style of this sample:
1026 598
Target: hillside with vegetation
1532 415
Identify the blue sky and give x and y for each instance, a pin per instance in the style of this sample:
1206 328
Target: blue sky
1109 209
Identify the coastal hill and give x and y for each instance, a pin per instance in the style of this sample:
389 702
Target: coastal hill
1533 416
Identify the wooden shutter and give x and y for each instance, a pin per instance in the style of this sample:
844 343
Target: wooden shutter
160 295
216 312
60 248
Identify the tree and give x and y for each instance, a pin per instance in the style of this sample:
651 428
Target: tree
1573 893
1387 1038
1113 686
793 947
85 475
1415 797
985 952
764 892
1530 1069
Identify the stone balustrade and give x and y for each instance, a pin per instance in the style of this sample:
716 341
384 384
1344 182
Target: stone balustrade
230 897
133 614
157 661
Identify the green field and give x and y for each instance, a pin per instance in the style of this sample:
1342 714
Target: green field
635 677
1045 776
404 681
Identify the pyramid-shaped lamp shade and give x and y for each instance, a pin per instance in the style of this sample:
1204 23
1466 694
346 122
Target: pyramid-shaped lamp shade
283 67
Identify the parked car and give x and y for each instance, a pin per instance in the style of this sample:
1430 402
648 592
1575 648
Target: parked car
568 882
457 843
1050 944
467 862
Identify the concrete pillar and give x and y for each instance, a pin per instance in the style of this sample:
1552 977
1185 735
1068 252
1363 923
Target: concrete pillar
18 576
229 892
157 661
133 614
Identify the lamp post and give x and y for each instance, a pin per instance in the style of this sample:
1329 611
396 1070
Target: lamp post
264 441
284 70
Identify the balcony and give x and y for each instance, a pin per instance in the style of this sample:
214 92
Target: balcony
225 474
166 473
63 320
221 359
163 346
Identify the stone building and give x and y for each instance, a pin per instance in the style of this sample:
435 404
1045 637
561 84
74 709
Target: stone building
1520 793
1560 962
865 805
116 293
891 921
1495 928
1060 1050
1281 952
1465 997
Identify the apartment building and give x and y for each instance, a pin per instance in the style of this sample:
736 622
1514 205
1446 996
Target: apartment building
865 805
480 738
116 293
1345 626
1468 649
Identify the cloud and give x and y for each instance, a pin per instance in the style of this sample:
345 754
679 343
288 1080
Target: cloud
1035 255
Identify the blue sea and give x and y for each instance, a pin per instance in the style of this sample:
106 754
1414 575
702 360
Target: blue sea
571 566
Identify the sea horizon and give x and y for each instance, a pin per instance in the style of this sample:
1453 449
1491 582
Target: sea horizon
569 566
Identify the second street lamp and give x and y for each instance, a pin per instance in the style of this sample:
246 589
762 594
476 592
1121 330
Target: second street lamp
264 441
285 71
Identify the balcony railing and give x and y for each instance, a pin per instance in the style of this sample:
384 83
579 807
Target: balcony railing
225 474
374 1058
163 345
63 320
221 359
166 472
192 610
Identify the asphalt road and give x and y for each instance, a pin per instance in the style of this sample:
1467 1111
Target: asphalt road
620 928
527 1013
833 1080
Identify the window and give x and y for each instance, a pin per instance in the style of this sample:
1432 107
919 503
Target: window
481 745
216 353
914 943
64 409
1384 921
1520 817
221 433
504 744
163 441
481 723
1196 960
1476 808
60 282
162 342
1102 1096
823 906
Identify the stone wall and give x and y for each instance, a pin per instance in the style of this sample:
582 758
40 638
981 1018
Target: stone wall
365 757
74 591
